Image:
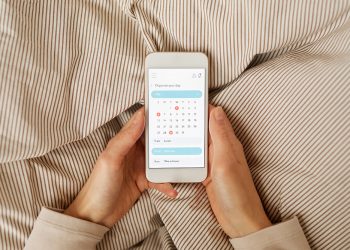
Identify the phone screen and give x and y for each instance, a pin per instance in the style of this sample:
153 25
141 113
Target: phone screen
176 117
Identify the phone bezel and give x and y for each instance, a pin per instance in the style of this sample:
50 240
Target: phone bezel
181 60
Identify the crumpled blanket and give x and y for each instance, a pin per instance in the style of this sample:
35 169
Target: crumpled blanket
71 74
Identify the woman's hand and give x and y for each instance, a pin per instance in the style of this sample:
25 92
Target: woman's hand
230 187
118 178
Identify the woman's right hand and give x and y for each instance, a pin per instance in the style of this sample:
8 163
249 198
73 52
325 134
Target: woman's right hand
230 187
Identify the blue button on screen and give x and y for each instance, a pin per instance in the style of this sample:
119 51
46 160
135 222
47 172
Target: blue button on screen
177 151
176 94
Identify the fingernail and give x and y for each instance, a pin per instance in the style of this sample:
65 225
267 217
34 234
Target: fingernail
219 114
173 193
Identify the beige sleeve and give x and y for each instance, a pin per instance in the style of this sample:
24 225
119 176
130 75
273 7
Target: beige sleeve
55 230
285 235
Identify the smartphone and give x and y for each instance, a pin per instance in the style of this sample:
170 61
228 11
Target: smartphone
176 108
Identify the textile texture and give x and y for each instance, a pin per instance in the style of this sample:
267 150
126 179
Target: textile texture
72 73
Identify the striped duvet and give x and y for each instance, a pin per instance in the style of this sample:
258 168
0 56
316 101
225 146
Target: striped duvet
71 74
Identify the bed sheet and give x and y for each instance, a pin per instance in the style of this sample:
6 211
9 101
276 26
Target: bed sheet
72 74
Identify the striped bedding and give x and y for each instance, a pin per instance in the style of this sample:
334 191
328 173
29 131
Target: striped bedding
71 74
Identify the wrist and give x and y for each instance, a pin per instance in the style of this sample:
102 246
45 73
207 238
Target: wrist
247 224
83 212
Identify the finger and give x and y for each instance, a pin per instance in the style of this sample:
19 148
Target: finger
165 188
210 109
206 181
220 129
130 122
142 138
121 144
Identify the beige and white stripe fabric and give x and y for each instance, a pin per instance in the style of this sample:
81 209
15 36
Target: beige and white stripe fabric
71 74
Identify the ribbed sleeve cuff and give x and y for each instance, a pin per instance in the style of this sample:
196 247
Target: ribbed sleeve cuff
285 235
55 230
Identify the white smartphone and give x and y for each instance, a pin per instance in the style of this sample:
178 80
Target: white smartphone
176 108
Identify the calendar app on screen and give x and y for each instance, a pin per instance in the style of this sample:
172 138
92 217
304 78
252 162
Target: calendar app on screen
176 117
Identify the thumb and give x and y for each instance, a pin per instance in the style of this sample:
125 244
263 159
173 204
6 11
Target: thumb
121 144
220 130
165 188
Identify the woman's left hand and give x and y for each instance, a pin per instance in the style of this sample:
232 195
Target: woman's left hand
118 178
